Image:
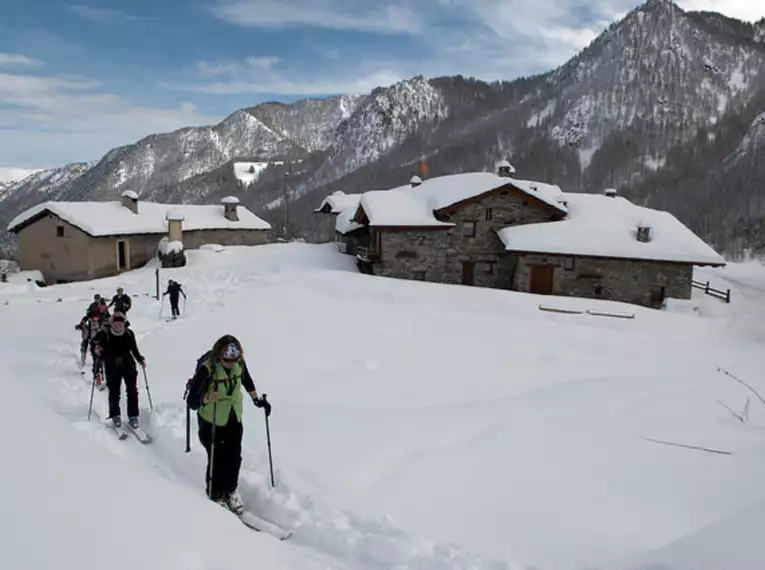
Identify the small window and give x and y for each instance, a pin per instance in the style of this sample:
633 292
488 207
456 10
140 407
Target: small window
598 289
487 267
525 203
421 240
568 263
60 231
468 229
418 275
488 214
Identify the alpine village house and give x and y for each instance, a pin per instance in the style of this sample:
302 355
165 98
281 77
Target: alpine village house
493 230
76 241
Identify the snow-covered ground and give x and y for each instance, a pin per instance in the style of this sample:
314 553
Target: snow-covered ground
415 426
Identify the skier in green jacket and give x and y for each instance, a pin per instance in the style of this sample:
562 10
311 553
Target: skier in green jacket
216 392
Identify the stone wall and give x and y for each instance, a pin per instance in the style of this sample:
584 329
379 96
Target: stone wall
194 239
441 255
637 282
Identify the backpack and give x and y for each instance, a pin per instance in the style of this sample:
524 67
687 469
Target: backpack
200 361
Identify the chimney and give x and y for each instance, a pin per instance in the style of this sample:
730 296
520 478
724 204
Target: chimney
174 226
415 181
610 192
643 232
130 201
230 204
505 169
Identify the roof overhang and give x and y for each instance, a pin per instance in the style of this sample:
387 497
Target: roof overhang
616 258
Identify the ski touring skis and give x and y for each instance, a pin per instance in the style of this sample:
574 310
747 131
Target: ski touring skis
256 523
141 435
121 432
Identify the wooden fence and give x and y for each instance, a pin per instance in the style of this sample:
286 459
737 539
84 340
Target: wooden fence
709 290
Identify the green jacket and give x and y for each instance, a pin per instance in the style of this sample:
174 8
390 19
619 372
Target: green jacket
229 388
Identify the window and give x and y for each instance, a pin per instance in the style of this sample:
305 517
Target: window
418 275
568 263
468 229
421 240
488 214
525 203
598 289
487 267
59 231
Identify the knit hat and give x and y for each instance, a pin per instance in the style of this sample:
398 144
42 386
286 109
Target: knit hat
231 352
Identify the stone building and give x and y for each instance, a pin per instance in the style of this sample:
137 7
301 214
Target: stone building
76 241
493 230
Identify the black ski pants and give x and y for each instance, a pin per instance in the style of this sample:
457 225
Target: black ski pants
227 457
115 374
174 305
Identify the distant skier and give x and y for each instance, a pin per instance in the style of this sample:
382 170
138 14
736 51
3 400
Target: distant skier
175 291
90 327
93 307
117 347
216 392
121 302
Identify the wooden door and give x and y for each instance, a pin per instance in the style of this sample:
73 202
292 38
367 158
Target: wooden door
468 272
541 280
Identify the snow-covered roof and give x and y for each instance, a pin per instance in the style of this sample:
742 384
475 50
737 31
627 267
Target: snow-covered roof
409 205
111 218
603 226
339 201
394 208
344 223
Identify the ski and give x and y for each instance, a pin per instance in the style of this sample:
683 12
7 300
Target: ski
254 522
121 432
141 435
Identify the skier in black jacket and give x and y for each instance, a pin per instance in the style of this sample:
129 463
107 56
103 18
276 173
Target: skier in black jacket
117 348
121 302
174 290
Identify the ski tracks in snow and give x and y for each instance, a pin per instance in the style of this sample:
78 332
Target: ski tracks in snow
347 539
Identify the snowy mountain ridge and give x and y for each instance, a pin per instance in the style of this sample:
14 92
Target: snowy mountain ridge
654 82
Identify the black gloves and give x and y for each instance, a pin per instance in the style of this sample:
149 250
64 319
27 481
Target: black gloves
263 403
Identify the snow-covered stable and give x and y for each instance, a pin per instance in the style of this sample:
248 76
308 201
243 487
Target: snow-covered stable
493 230
75 241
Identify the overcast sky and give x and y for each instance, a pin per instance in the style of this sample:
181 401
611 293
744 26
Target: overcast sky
79 79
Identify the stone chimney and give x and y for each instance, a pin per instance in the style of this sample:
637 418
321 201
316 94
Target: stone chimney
230 204
644 232
415 181
505 169
174 226
610 192
130 201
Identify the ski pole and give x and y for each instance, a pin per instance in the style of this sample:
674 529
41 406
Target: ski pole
212 446
92 389
268 439
188 416
146 383
188 429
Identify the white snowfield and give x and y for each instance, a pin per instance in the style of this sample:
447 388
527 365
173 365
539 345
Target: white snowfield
600 225
112 218
415 426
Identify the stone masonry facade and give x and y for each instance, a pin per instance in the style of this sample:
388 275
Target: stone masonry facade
441 255
638 282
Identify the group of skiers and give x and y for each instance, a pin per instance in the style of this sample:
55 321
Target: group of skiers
214 391
114 351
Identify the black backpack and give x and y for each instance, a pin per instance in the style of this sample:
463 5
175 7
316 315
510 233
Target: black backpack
200 362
